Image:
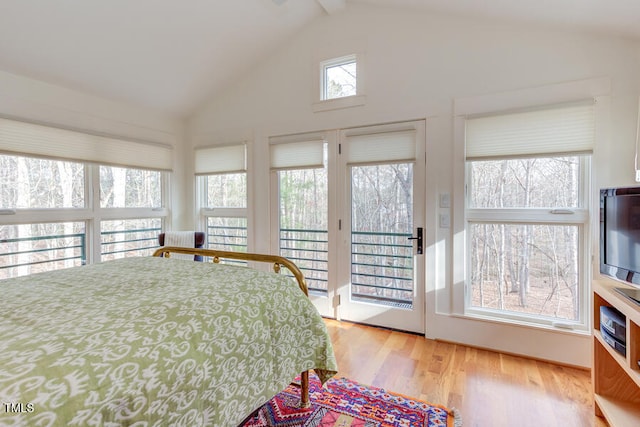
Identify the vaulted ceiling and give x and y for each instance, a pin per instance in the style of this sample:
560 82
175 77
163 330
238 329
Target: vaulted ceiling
173 55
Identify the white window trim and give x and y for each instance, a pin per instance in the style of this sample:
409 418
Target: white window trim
599 89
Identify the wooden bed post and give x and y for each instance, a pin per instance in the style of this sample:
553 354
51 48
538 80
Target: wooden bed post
304 390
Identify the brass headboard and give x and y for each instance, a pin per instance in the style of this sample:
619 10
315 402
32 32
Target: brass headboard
217 255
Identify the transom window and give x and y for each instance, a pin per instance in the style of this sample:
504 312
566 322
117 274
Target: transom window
339 77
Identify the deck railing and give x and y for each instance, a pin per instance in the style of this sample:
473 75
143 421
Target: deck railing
26 255
34 254
309 249
382 263
119 243
382 268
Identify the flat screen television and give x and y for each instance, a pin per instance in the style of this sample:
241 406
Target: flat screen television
620 234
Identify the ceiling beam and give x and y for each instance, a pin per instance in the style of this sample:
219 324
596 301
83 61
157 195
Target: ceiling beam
332 6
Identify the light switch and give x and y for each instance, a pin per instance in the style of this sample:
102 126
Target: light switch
445 200
445 220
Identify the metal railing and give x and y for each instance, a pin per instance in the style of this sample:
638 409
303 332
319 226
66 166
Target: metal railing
309 250
382 268
43 253
143 241
66 250
229 238
382 263
232 238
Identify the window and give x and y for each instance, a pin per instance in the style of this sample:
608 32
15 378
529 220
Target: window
225 215
27 183
222 190
130 188
527 213
127 192
302 183
49 216
339 78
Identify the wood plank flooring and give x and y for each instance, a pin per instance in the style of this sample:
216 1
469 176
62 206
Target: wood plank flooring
488 388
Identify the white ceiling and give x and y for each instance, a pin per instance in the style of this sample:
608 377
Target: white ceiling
172 55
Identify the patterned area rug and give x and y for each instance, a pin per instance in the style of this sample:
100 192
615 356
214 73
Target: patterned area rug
345 403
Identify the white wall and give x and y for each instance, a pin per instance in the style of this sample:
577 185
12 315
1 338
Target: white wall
416 66
32 100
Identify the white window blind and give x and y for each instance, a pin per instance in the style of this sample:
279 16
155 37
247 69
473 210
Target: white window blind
45 141
221 159
389 147
297 155
555 130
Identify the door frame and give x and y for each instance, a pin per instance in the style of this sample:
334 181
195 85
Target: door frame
369 313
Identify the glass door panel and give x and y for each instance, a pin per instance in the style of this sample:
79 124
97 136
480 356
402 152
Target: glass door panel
381 225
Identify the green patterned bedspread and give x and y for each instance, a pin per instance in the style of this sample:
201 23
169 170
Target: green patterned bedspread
152 342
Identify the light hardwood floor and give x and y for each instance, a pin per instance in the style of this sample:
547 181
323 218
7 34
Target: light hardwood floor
488 388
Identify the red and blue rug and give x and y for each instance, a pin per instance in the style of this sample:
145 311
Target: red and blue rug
345 403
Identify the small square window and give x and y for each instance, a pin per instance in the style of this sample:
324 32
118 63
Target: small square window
339 77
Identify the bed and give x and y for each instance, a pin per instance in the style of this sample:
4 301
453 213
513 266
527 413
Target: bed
153 341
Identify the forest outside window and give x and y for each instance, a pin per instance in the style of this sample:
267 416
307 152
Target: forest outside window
134 199
222 195
59 204
300 168
225 212
339 78
48 222
527 215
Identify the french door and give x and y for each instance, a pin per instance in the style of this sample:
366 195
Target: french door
349 212
381 277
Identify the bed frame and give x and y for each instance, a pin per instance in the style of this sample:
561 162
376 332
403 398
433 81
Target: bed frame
277 261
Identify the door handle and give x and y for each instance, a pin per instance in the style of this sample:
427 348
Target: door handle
419 239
